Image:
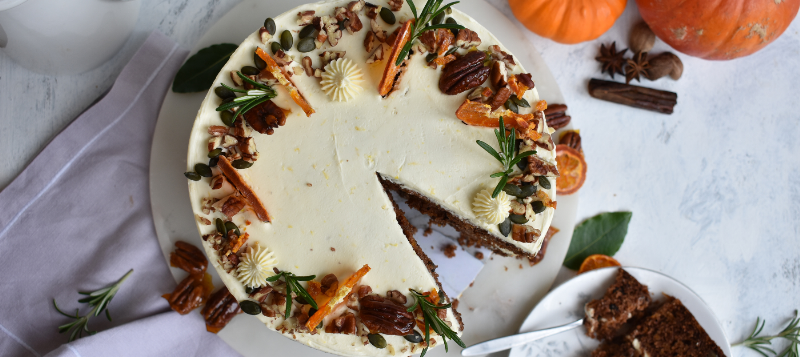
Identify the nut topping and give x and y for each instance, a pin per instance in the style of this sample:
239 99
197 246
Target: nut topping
556 116
464 73
498 75
307 66
188 258
395 5
305 18
264 35
572 139
467 38
219 310
265 117
500 98
385 316
188 295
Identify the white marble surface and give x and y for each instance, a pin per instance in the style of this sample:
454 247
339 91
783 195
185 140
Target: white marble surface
714 188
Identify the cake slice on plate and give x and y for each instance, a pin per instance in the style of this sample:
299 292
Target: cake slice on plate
624 299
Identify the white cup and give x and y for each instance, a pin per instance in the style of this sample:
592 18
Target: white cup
65 36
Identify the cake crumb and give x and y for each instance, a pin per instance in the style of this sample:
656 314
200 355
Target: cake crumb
472 283
505 267
427 231
479 255
333 249
308 184
449 250
520 266
455 304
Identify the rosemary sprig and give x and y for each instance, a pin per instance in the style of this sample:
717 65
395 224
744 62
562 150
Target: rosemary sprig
97 299
432 320
432 9
506 156
292 284
250 99
759 343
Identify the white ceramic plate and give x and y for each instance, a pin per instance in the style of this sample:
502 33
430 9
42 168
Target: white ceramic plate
565 304
502 293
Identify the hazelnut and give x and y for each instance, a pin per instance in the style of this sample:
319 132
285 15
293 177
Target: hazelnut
642 38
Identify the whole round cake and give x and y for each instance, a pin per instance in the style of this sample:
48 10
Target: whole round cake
315 118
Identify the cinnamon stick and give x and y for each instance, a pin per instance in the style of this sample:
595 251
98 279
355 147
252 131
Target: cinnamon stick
634 96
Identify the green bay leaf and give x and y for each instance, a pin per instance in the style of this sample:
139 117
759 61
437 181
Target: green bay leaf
601 234
200 70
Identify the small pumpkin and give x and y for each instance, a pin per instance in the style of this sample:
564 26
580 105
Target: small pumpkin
718 29
568 21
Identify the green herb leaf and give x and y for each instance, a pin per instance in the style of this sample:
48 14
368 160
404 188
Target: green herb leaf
432 320
98 300
601 234
199 71
429 11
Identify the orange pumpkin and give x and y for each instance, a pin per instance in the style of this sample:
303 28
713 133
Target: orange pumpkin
718 29
568 21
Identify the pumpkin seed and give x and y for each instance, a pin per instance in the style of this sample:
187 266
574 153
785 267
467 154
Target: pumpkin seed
544 182
430 57
415 337
241 164
451 20
227 117
376 339
274 47
250 70
505 227
228 100
230 226
520 102
214 153
192 176
518 218
308 31
388 16
224 93
203 170
249 290
438 19
260 63
303 301
528 190
287 40
306 45
448 10
220 226
511 106
213 162
250 307
512 190
451 51
538 207
269 24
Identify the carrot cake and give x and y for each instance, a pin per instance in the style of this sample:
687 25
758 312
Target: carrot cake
321 112
623 300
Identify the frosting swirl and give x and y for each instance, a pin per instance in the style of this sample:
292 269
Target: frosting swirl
256 266
491 210
342 80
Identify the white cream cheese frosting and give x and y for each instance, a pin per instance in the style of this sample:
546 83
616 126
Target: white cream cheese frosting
256 266
342 80
317 175
491 210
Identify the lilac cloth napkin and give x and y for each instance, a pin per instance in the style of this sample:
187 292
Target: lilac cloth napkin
79 217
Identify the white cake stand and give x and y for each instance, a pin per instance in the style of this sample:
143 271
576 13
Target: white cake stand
502 294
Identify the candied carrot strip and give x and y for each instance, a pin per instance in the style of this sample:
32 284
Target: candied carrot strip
517 87
345 288
283 78
387 81
249 195
480 114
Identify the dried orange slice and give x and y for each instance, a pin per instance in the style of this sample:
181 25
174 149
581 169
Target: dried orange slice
572 170
597 261
345 288
387 81
283 79
480 114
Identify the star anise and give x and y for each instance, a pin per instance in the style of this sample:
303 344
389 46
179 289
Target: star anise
611 60
636 66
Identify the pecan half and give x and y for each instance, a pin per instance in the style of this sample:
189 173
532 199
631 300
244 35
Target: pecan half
539 167
230 206
467 38
500 98
188 258
464 73
219 310
188 295
395 5
556 116
572 139
265 117
396 296
385 316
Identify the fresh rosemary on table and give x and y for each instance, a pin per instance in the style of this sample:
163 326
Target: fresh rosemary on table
292 284
250 99
759 343
506 156
99 299
420 25
432 320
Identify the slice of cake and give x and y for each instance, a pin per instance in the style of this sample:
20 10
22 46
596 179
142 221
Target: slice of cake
670 330
624 299
320 112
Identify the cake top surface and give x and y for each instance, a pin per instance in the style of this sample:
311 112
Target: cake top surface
318 175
